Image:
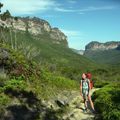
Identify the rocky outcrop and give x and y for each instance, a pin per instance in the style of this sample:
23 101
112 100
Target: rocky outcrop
55 33
102 46
35 26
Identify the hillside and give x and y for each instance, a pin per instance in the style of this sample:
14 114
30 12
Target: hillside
49 45
80 52
94 45
36 66
40 75
105 53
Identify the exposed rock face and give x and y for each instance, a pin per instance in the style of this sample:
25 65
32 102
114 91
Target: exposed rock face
57 34
35 26
102 46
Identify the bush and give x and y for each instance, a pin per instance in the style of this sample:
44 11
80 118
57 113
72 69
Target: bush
99 84
107 101
15 84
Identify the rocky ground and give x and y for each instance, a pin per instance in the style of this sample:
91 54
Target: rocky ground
71 106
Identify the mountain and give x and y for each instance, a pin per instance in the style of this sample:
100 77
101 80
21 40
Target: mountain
35 26
107 53
40 74
46 44
102 46
36 66
81 52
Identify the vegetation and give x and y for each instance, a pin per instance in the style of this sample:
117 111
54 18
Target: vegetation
107 102
104 56
56 58
24 82
33 68
1 5
5 15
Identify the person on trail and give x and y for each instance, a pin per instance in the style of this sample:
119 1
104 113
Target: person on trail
85 92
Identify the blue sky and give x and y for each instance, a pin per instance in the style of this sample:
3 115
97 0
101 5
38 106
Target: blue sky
82 21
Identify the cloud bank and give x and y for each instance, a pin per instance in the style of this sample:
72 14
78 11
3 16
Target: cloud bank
20 7
88 9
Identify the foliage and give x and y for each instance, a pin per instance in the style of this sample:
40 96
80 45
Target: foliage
107 101
15 84
5 15
50 84
1 5
105 75
36 66
104 56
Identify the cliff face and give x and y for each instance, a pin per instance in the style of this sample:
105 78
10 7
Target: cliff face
102 46
104 53
35 26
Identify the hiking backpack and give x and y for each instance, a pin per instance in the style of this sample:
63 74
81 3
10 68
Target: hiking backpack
89 76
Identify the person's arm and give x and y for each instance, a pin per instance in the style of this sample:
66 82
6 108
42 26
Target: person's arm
89 84
89 87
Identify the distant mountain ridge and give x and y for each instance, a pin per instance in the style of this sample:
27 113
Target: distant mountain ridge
35 26
107 53
102 46
49 45
81 52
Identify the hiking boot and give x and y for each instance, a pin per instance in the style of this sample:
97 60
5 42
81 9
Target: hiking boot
94 112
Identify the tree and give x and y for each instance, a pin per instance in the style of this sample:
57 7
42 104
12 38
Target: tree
5 15
1 5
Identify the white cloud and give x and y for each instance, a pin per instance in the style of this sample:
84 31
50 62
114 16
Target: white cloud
97 8
72 1
88 9
21 7
30 7
81 13
64 10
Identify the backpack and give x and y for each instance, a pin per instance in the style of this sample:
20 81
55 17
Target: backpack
89 76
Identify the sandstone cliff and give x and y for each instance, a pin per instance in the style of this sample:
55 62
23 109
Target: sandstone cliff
35 26
102 46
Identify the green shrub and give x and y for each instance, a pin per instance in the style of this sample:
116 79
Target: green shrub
3 100
15 84
99 84
107 101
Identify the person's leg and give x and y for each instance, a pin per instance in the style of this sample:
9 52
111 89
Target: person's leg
91 103
85 105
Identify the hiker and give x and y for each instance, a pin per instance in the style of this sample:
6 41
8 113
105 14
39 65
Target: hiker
85 90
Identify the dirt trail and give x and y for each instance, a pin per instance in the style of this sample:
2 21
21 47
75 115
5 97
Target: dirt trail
76 106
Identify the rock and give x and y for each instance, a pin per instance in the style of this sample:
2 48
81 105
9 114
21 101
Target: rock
57 34
67 105
35 26
102 46
61 103
4 54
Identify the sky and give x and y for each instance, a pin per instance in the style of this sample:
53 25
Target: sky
82 21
